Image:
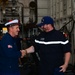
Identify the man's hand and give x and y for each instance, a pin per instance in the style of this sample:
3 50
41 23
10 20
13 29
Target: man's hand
23 53
63 68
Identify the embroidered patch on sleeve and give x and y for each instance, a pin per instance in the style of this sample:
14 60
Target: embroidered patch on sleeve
9 46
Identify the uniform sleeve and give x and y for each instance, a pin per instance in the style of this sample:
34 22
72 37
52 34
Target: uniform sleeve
9 49
36 45
67 48
66 44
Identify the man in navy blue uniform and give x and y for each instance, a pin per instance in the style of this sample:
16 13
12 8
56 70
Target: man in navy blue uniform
53 48
9 53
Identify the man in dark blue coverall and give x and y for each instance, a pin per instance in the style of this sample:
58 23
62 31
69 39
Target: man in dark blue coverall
9 53
53 49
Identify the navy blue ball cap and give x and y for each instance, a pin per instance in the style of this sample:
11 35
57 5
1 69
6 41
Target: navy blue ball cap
46 20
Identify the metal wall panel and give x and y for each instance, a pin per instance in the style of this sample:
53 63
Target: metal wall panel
54 9
42 4
69 7
57 9
42 12
61 8
43 8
